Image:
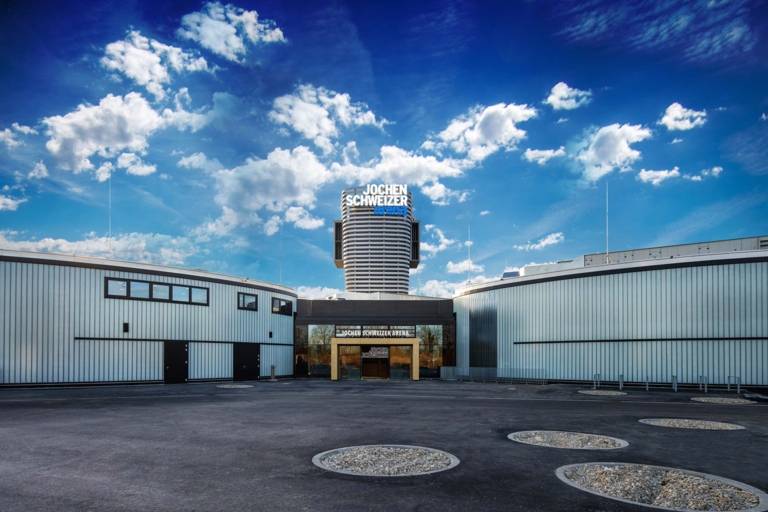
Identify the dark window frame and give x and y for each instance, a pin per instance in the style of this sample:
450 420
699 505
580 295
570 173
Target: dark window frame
241 294
280 310
151 297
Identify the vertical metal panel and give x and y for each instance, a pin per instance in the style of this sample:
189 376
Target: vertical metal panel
572 328
279 355
45 307
210 361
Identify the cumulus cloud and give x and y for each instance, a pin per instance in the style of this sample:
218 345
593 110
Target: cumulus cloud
564 97
199 161
542 156
485 212
546 241
462 267
272 225
38 172
712 172
609 148
9 204
439 242
676 140
483 130
9 136
148 62
658 177
317 112
317 292
677 117
441 195
142 247
133 164
302 219
447 289
226 30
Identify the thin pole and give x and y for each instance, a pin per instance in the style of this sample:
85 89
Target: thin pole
606 221
469 252
109 208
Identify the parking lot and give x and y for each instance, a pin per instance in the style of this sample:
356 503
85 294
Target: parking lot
203 447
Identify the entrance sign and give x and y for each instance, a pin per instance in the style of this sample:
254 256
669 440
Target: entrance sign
385 199
375 352
375 331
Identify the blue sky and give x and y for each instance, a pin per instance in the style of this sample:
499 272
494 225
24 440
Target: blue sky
227 131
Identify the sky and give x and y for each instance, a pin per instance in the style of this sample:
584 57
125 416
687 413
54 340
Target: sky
219 136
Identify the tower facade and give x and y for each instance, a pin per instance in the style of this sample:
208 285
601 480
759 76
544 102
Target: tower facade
376 241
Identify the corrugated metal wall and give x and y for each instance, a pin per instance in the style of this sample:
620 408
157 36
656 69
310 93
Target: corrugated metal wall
280 356
652 324
45 307
210 361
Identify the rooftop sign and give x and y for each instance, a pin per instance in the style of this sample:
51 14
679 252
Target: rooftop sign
385 199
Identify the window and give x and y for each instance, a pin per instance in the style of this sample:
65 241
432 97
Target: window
247 301
180 293
117 288
199 295
134 289
161 291
282 306
139 290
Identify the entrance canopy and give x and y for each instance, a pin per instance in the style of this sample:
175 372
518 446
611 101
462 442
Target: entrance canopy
413 343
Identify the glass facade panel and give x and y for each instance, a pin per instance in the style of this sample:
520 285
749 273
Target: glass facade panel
117 288
181 294
400 362
200 295
139 290
430 350
349 362
319 350
161 291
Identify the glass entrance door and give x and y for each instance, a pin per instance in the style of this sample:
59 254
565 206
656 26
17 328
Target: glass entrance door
400 362
349 361
375 361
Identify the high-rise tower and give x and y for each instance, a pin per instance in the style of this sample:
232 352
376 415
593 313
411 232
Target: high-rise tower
376 241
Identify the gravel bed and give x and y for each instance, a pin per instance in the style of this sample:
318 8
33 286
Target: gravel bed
691 424
569 440
663 487
601 392
234 386
722 400
385 460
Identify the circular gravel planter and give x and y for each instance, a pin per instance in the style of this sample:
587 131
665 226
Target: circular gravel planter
722 400
601 392
568 440
691 424
234 386
663 487
385 460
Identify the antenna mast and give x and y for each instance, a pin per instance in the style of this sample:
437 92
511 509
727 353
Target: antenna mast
606 221
109 214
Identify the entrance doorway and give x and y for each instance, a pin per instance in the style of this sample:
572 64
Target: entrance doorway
247 361
375 361
175 362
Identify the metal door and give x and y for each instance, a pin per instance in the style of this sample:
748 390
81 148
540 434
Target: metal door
176 361
247 361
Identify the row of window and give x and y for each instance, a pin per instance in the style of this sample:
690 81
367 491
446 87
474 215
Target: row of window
115 288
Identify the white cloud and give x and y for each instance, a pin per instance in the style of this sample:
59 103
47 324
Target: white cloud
317 292
9 204
9 136
225 30
563 97
561 120
677 117
441 195
676 140
656 178
418 270
199 161
462 267
104 172
116 124
272 226
143 247
484 130
485 212
316 113
133 164
183 119
302 219
147 62
39 171
439 242
548 240
542 156
712 172
609 148
396 165
447 289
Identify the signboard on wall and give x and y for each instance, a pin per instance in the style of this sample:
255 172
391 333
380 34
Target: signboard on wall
375 331
385 199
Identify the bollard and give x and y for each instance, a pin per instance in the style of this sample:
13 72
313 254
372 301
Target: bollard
674 383
595 381
738 385
621 381
646 383
272 373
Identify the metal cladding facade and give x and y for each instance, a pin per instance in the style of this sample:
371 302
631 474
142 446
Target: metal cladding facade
376 251
655 321
59 327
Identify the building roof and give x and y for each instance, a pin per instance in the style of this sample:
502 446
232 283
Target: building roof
144 268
